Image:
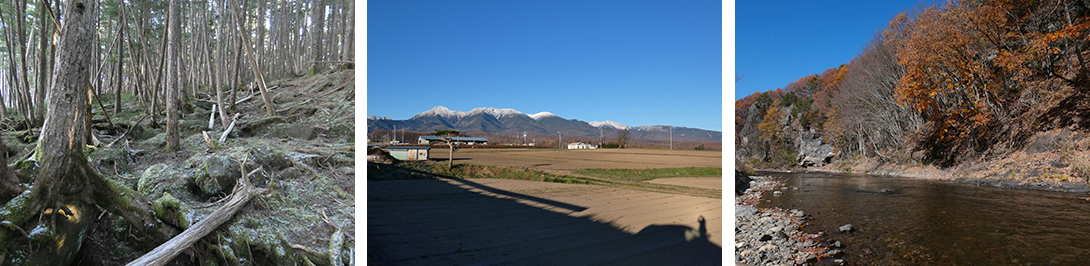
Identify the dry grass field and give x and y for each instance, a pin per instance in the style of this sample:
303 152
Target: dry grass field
583 159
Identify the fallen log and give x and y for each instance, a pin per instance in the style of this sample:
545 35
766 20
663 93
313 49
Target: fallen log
164 253
223 138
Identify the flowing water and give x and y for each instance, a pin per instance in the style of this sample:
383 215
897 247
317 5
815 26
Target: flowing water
928 222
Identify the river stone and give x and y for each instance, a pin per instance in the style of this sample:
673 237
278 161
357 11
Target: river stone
765 238
846 228
776 193
791 228
766 220
743 210
780 235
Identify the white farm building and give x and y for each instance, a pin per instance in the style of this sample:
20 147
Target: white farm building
581 146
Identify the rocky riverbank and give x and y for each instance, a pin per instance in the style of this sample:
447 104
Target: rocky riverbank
772 236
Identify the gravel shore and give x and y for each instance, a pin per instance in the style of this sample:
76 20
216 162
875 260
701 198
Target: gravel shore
771 236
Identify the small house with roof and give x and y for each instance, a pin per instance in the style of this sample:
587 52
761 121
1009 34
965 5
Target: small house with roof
409 153
581 146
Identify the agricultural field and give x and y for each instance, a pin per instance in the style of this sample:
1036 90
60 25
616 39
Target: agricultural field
613 207
584 159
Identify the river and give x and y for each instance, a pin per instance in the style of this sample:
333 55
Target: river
931 222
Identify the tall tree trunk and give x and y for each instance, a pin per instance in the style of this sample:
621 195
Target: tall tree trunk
21 33
120 55
260 52
350 20
172 78
318 17
66 188
43 62
3 100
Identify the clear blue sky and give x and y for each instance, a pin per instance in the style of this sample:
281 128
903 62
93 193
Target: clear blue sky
778 42
633 62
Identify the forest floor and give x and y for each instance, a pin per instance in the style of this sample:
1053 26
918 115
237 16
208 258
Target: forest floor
305 154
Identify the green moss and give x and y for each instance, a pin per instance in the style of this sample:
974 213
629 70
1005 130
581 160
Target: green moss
170 208
17 209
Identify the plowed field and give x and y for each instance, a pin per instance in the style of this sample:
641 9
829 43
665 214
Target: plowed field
583 159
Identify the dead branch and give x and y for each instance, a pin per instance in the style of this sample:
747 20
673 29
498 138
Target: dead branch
208 140
247 98
223 137
339 228
127 131
164 253
100 106
212 118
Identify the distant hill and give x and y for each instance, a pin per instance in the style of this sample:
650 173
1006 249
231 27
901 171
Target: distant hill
510 121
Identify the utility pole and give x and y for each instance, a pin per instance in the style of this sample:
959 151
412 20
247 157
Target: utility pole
395 133
599 137
559 140
671 137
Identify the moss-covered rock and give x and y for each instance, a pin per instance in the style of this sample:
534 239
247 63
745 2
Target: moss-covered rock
162 178
217 173
168 208
158 141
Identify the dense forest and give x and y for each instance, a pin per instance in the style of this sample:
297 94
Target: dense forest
272 79
946 85
218 46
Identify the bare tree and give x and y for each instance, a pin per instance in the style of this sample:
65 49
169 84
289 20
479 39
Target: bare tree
448 137
868 116
622 138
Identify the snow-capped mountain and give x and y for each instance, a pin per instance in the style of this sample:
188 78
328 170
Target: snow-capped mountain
495 112
608 123
541 114
510 121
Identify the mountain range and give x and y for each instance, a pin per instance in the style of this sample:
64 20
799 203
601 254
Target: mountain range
511 121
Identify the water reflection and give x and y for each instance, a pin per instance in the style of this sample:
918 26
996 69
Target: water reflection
903 221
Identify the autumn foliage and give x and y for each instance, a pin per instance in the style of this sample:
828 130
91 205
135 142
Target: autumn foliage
954 80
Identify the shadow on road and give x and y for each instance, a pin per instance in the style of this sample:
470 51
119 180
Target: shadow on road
460 222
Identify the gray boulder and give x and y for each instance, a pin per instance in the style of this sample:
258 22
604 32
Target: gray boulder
813 151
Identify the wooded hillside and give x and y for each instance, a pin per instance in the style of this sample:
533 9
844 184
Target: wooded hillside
219 43
941 85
